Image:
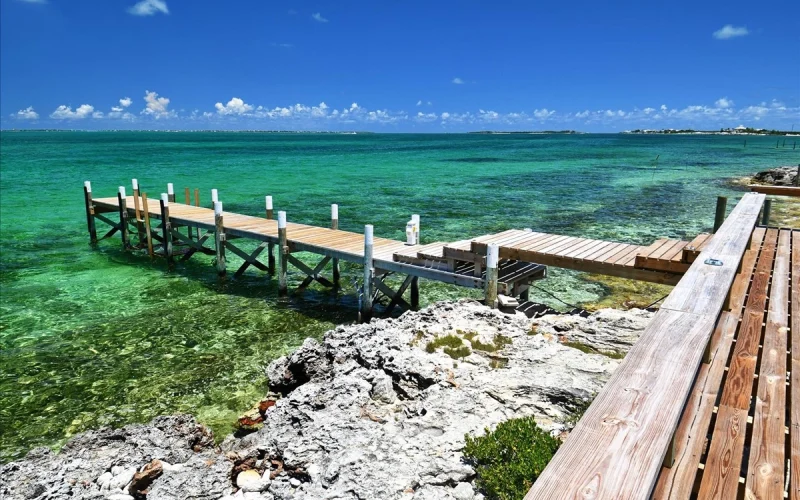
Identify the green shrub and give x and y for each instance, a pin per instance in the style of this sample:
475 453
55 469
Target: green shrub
509 459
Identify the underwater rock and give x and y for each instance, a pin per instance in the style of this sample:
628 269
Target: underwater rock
372 411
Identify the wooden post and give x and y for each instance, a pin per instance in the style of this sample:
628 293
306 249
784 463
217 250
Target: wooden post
171 192
196 197
136 212
270 246
186 196
797 177
122 199
335 225
369 274
719 218
214 197
166 227
283 252
87 196
147 227
415 293
492 256
766 211
219 239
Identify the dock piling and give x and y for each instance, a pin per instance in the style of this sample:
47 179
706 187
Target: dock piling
492 274
87 196
171 192
219 239
719 218
147 227
186 196
766 212
166 230
283 252
369 274
214 196
335 225
270 246
414 293
136 212
123 217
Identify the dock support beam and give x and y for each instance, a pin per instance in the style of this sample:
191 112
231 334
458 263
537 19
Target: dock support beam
270 246
219 239
369 273
171 192
492 257
766 212
166 230
147 229
283 254
87 196
415 293
335 226
123 217
722 203
139 226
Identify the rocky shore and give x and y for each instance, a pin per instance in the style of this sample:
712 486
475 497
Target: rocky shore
373 411
778 176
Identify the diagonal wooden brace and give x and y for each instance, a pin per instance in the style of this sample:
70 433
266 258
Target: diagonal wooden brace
248 259
312 274
197 246
396 297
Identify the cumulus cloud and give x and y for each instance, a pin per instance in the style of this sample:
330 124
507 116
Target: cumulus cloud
723 103
235 106
34 1
125 102
156 106
149 8
730 31
458 81
318 17
543 114
64 112
419 103
426 117
27 114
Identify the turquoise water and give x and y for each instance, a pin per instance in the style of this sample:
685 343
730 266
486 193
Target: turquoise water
91 337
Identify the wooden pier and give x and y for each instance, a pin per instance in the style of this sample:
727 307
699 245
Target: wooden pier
502 264
707 403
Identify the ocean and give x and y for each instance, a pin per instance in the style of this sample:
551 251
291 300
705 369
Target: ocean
92 337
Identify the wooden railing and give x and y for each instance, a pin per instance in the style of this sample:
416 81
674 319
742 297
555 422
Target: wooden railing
617 449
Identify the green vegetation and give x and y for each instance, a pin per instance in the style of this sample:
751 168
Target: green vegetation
621 293
509 459
500 341
591 350
453 346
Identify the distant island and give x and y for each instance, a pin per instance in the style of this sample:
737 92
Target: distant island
740 130
504 132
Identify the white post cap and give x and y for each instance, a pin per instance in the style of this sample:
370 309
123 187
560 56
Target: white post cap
122 191
492 255
281 220
135 184
268 200
415 218
335 212
170 188
87 185
214 196
165 199
368 235
217 208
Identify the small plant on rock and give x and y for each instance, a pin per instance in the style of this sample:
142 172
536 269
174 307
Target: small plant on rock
509 459
453 346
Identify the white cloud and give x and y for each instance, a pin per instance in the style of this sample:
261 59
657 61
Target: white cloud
663 107
543 114
426 117
149 8
445 115
235 106
723 103
157 106
65 112
318 17
97 114
458 81
125 102
419 103
34 1
730 31
27 114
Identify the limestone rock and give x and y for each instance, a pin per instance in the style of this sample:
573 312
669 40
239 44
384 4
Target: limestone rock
778 176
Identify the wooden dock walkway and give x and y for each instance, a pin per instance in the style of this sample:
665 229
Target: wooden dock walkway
521 255
707 403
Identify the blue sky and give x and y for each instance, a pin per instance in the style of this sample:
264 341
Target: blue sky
439 66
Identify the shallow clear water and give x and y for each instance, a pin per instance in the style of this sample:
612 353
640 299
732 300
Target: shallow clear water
91 337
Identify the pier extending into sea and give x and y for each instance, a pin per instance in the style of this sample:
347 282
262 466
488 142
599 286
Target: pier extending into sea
503 265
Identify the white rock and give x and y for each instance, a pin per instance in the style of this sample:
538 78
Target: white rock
252 481
122 479
104 479
119 496
295 482
463 491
